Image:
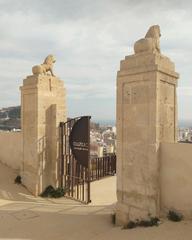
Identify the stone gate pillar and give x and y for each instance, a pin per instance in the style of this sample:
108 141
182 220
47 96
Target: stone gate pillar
146 116
43 107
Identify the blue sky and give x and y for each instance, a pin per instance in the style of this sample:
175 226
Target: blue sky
89 38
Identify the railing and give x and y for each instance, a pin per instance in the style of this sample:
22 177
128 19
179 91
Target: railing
102 167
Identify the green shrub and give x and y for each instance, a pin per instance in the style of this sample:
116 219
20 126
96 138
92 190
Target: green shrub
53 193
18 180
113 218
153 221
131 225
174 216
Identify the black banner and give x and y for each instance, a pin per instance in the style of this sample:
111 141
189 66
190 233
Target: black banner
79 140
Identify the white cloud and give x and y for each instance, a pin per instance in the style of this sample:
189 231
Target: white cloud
184 91
89 38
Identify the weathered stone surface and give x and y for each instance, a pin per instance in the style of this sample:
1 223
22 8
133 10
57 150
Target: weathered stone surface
175 176
43 101
146 116
46 67
151 41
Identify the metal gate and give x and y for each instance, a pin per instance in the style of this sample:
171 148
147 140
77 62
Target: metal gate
102 167
75 178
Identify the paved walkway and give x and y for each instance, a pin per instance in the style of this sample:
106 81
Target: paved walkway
24 217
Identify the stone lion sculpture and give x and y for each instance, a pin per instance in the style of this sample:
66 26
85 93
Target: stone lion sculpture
151 42
46 67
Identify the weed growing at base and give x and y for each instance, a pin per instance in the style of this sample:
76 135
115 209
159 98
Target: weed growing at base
51 192
174 216
153 221
18 180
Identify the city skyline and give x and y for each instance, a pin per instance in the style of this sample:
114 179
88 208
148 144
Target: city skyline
89 39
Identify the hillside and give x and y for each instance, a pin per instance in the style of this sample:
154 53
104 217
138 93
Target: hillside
10 118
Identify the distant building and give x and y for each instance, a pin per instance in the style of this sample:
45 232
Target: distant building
185 135
103 140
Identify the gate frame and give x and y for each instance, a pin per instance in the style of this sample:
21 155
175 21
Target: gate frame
86 171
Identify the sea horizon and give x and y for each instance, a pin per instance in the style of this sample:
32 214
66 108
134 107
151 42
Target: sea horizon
112 122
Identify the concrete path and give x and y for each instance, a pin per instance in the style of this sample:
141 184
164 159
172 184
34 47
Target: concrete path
25 217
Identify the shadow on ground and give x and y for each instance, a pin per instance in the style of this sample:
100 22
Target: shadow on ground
24 217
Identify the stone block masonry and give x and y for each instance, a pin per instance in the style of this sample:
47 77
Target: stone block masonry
146 116
43 107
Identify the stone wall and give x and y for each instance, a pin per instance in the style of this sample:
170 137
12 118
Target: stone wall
175 177
11 149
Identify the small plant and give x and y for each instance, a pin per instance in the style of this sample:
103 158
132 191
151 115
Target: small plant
59 192
131 225
153 221
53 193
18 180
174 216
113 218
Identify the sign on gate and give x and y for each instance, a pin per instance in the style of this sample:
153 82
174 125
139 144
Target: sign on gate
79 140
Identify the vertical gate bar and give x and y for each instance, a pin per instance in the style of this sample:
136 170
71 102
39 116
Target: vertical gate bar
98 167
62 155
105 164
108 165
71 159
83 189
104 167
64 152
65 156
101 168
89 185
104 159
78 181
93 164
81 177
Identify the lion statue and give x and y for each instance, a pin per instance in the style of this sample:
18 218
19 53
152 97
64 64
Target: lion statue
47 66
151 42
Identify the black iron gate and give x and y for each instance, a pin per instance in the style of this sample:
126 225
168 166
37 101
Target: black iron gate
75 176
102 167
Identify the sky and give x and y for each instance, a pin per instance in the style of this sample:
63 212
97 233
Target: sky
88 39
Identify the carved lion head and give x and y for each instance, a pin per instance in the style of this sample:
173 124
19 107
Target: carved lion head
49 60
153 32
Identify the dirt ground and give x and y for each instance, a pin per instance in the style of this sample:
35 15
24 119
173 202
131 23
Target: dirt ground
25 217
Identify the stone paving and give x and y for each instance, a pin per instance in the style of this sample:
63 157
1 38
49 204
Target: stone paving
24 217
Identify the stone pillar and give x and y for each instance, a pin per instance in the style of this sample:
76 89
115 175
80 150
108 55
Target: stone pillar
146 116
43 107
